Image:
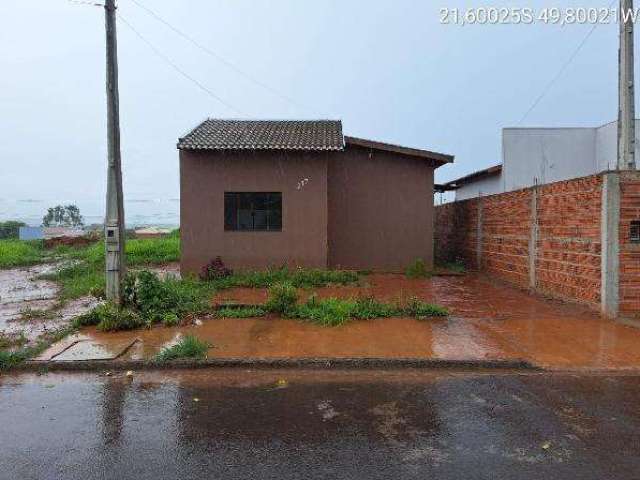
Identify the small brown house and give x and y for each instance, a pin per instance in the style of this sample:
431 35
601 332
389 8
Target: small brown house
268 193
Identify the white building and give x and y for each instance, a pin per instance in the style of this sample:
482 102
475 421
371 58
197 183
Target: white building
543 155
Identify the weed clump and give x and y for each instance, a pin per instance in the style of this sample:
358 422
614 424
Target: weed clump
162 300
421 310
283 298
417 269
299 278
242 312
109 318
189 346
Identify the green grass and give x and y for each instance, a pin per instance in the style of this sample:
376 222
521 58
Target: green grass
240 312
299 278
18 253
84 275
332 312
189 346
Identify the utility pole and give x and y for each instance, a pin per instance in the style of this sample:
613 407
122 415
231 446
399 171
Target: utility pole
626 90
114 233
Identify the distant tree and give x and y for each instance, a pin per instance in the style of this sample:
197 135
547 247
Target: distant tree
63 216
10 229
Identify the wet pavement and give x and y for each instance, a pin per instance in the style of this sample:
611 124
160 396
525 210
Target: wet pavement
488 321
300 424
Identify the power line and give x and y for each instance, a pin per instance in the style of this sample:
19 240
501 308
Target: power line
178 69
562 70
221 59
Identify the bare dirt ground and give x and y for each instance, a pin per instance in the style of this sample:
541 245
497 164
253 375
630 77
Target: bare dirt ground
488 321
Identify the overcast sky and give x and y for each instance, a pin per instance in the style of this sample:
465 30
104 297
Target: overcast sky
387 68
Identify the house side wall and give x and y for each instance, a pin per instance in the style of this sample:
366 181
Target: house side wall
380 210
300 176
546 237
629 278
483 186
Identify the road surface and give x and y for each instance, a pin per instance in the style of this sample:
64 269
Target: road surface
319 425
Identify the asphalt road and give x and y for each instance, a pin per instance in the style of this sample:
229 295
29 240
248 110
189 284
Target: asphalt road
308 425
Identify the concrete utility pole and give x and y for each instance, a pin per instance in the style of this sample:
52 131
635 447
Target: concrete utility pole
626 90
114 233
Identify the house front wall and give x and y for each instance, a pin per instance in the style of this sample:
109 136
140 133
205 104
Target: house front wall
300 176
380 210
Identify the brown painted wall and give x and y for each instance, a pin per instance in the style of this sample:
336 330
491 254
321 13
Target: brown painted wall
205 176
380 210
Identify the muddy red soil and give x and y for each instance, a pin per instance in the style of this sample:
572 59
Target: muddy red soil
488 321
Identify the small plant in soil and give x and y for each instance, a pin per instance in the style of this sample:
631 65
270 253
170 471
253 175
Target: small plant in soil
421 310
28 313
417 269
189 346
215 270
283 298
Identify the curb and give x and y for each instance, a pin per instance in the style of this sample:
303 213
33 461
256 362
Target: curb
268 363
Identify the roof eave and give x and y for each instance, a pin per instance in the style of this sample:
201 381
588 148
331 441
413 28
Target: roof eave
438 159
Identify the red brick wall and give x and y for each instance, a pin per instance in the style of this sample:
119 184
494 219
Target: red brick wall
568 247
569 239
629 252
506 230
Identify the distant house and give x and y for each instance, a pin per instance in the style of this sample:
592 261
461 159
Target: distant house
543 155
269 193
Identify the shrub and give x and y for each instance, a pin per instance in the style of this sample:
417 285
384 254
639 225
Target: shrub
282 298
242 312
188 347
215 270
155 299
417 270
421 310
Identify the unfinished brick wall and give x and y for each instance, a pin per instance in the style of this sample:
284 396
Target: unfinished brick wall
629 290
568 259
566 251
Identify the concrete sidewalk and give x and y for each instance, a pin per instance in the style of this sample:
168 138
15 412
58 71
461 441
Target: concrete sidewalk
489 323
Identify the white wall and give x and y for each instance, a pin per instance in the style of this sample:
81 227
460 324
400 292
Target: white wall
485 186
550 155
546 154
